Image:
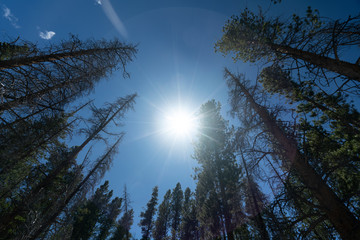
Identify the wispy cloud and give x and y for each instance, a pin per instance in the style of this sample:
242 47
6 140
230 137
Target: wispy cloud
47 35
98 2
9 16
113 17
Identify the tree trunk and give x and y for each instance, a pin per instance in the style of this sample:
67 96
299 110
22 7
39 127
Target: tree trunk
338 214
52 217
65 164
350 70
8 167
50 106
25 61
257 216
228 231
27 154
32 96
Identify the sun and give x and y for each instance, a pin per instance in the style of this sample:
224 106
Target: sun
180 123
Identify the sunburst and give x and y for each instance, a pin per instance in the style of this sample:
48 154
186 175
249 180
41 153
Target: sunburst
180 123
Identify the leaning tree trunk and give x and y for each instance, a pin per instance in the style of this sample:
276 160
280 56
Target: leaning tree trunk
26 61
48 180
338 214
349 70
31 97
39 145
50 220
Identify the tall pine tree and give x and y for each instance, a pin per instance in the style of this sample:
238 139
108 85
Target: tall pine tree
162 223
218 177
146 221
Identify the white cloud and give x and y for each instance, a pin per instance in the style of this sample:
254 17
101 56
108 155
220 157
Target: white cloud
9 16
98 2
47 35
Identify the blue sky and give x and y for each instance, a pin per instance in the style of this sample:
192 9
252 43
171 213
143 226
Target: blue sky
176 66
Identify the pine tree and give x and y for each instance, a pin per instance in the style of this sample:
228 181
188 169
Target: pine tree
99 168
24 145
147 222
126 220
108 219
176 207
315 48
44 81
10 50
43 180
89 214
162 222
330 129
217 190
310 97
317 44
254 201
100 120
102 117
189 223
334 209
